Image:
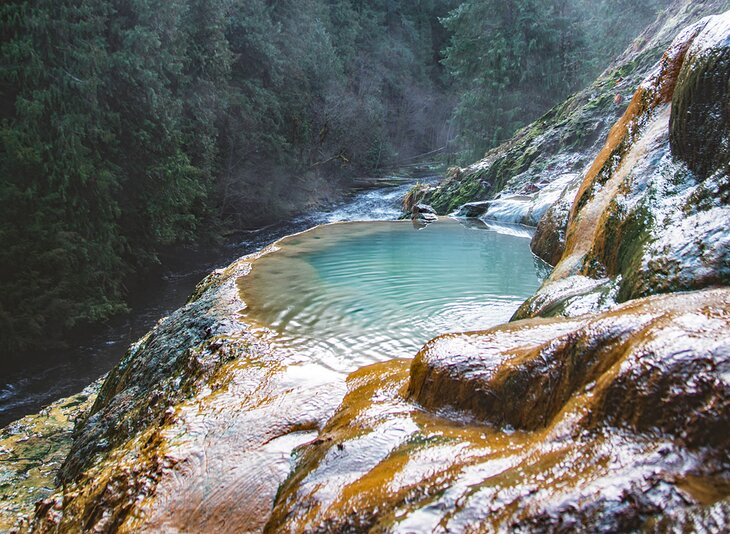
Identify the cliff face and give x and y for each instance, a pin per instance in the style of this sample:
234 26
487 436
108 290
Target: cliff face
534 176
652 212
590 415
587 414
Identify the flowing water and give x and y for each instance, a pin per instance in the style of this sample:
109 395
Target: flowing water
348 295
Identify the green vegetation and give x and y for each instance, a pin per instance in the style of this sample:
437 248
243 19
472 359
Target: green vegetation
511 61
128 125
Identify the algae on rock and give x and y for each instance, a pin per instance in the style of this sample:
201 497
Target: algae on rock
557 148
602 416
643 221
607 423
32 450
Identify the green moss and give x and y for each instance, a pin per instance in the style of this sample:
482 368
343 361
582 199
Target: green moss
31 452
710 193
630 241
449 197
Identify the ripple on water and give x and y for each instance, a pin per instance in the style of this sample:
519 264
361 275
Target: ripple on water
348 295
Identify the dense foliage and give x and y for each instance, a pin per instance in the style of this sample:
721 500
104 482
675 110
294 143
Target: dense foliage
129 125
511 60
125 125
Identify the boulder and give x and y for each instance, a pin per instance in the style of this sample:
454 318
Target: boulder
616 422
700 121
473 210
424 213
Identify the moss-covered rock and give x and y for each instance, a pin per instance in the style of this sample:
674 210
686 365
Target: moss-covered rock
32 450
642 221
700 123
569 137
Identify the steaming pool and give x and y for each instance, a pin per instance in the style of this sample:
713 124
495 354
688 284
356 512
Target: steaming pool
352 294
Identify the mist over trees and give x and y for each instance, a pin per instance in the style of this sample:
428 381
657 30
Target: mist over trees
511 61
131 125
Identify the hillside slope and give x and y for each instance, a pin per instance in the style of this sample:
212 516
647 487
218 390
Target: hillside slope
543 164
588 414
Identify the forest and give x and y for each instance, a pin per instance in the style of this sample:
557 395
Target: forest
127 126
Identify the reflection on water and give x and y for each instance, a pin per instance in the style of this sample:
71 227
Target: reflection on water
353 294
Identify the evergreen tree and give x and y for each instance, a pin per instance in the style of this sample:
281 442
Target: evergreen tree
512 60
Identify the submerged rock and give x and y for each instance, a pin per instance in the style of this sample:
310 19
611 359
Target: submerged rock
610 423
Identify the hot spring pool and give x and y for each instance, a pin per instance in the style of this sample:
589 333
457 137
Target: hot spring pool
351 294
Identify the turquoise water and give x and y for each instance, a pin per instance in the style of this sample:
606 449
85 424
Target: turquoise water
352 294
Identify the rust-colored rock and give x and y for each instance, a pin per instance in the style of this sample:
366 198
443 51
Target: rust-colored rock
609 423
193 430
643 222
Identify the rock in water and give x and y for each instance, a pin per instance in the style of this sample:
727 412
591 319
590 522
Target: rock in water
424 213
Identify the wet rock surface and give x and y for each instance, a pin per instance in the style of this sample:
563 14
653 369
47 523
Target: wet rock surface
548 243
643 222
564 142
700 122
193 430
586 415
423 213
615 422
32 450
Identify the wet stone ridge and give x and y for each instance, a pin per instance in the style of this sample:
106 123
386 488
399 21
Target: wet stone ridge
584 414
533 178
614 422
653 364
643 222
192 431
